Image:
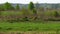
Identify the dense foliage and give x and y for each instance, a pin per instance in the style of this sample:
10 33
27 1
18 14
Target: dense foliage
8 6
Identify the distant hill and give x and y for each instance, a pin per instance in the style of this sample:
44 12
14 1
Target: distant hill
45 5
21 5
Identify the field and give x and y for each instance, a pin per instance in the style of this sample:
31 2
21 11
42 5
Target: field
30 20
13 23
36 27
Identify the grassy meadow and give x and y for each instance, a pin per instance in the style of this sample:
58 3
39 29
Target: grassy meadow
17 25
49 27
30 26
30 20
10 23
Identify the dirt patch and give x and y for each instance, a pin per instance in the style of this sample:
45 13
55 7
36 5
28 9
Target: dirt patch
29 32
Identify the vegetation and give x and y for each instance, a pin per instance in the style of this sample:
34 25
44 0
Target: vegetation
17 7
32 19
8 6
31 6
29 26
56 14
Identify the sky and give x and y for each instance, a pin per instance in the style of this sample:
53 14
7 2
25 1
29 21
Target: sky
27 1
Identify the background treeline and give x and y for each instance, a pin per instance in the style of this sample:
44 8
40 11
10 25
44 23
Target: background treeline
11 14
8 6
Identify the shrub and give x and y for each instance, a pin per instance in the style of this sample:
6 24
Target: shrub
56 14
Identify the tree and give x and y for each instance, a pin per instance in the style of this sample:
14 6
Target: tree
17 7
8 6
31 6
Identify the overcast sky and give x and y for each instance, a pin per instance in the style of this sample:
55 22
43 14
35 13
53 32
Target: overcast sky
27 1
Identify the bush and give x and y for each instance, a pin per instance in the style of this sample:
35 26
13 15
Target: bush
34 11
56 14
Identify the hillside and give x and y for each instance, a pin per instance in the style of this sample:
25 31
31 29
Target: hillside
54 6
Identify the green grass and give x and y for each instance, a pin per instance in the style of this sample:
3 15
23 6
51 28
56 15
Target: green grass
29 26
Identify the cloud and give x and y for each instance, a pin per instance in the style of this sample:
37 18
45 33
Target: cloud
27 1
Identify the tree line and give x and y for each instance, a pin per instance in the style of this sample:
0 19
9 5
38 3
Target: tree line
8 6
